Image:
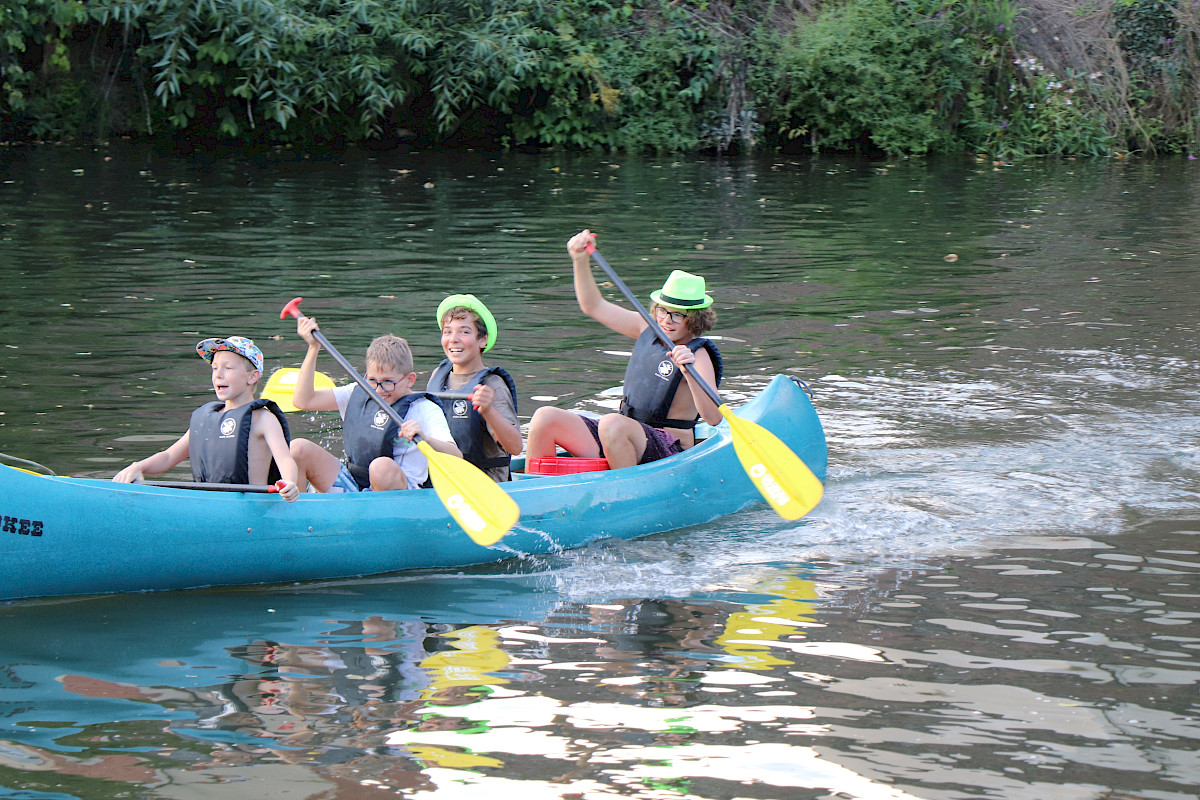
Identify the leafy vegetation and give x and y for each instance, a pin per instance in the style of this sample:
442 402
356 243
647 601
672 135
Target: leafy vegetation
893 73
1045 77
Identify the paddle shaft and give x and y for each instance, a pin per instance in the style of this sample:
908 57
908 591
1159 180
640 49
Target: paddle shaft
285 370
293 308
653 323
272 488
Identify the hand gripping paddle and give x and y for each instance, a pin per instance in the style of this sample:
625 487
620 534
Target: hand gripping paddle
484 510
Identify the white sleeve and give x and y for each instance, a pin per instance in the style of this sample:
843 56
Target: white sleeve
434 426
342 395
433 420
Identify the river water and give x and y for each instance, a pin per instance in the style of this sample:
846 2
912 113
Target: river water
997 597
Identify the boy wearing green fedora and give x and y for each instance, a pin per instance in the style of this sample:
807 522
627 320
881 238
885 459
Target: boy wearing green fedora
661 405
484 423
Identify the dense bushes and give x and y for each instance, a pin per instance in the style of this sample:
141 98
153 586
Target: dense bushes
890 72
898 76
276 70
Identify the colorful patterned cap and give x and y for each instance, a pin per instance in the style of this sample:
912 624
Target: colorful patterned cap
235 344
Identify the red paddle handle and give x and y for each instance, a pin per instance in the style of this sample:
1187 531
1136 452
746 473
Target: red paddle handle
292 308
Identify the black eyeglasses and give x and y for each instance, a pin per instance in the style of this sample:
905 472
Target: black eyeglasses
383 386
675 316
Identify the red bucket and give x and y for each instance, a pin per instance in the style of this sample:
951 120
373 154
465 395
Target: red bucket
564 465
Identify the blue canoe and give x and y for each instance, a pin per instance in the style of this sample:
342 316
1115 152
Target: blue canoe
65 536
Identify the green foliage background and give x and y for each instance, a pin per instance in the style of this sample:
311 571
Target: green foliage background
999 78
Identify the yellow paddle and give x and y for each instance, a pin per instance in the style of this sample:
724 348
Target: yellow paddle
484 510
780 475
282 385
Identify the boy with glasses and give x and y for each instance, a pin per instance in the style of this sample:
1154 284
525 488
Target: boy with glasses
657 419
380 456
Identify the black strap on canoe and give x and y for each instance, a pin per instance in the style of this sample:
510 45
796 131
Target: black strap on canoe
211 487
803 386
44 469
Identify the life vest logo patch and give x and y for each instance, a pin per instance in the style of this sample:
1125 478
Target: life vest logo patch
228 425
666 368
381 419
460 409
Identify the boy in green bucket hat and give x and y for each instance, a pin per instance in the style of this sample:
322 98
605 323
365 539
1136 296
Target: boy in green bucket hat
484 424
661 405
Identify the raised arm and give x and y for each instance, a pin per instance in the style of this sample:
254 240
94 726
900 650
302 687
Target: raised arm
622 320
306 396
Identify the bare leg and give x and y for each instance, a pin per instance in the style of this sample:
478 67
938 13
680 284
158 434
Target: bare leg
552 428
624 440
315 465
386 475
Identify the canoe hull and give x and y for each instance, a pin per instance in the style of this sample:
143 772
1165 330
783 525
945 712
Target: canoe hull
64 536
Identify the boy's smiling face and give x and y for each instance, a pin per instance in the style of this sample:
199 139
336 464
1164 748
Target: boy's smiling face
673 322
462 343
232 375
389 382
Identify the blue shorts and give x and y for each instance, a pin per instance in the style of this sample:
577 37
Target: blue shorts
345 482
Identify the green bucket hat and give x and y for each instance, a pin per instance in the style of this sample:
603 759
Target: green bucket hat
472 302
682 290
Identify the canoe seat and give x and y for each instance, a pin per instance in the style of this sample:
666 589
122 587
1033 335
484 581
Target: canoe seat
565 465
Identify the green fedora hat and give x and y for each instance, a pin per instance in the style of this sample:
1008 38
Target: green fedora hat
682 290
475 304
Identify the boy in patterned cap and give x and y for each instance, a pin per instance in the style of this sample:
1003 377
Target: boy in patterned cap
234 439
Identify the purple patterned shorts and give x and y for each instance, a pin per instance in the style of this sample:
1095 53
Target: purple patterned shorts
659 443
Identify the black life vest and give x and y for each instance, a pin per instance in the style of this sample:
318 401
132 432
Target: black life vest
369 432
219 441
466 424
652 378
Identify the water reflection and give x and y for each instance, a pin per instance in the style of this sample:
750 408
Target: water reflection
807 681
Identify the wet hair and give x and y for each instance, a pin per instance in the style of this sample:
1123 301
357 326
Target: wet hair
391 352
699 320
462 312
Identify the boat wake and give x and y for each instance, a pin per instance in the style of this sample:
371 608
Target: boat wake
928 464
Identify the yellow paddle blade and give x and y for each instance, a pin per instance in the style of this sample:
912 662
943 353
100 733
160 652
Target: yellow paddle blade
484 510
780 475
282 385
